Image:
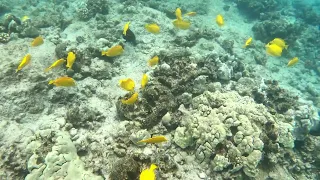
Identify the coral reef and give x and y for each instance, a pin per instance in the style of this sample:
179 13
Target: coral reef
93 7
228 128
270 29
274 97
162 97
62 161
255 8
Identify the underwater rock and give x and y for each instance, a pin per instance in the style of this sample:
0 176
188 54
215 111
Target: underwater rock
13 161
30 32
82 116
245 85
125 168
269 29
60 50
225 72
99 69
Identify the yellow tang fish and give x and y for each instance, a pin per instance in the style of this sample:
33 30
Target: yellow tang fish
127 84
219 20
273 50
248 42
293 61
131 100
113 51
70 59
63 81
25 18
125 29
154 139
153 61
37 41
148 174
57 63
181 24
178 14
144 81
280 42
25 61
190 14
153 28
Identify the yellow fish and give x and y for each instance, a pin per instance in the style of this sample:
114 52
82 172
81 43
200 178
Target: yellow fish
153 28
153 61
280 42
37 41
181 24
293 61
131 100
248 42
127 84
190 14
70 59
63 81
25 61
219 20
154 139
178 14
273 50
125 29
144 81
57 63
113 51
148 174
25 18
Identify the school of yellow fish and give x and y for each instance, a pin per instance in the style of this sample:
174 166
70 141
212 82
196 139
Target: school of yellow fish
273 48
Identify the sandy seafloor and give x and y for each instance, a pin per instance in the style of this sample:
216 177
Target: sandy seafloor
30 111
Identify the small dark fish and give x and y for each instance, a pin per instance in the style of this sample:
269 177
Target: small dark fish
129 37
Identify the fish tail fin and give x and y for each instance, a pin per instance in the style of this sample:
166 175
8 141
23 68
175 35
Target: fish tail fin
142 141
51 82
153 167
286 46
244 46
17 70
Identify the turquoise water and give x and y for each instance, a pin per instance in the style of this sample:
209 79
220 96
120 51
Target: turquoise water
190 90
